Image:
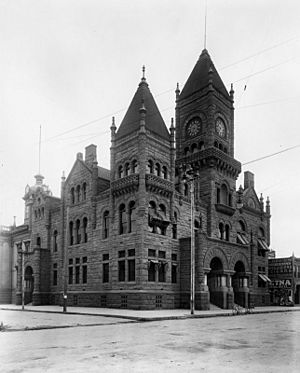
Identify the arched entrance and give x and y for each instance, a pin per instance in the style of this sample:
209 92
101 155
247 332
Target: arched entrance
240 284
216 281
29 285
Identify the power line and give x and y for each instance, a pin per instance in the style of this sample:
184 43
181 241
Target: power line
267 102
102 133
271 155
169 90
258 53
262 71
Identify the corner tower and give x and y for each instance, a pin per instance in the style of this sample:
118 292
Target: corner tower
205 131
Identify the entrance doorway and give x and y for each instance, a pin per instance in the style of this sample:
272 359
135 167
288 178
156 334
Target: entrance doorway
240 285
29 284
216 281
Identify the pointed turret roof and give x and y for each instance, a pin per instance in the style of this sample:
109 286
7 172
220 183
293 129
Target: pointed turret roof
203 71
153 120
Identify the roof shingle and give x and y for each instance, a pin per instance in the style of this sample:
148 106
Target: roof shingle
199 77
154 120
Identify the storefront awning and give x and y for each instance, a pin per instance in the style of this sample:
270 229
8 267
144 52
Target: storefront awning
264 277
262 244
242 239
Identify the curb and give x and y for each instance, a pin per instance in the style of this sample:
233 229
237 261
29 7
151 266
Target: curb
157 318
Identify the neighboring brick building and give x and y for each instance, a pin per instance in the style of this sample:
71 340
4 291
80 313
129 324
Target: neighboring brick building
284 274
121 238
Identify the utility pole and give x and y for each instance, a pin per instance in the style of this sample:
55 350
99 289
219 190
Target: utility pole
65 265
192 248
23 273
189 177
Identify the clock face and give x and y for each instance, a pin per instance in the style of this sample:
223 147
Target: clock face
220 127
193 127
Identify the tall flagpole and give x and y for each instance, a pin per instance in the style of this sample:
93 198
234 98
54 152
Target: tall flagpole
205 24
23 274
40 149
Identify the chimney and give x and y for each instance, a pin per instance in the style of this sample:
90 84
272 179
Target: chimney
90 154
248 180
80 156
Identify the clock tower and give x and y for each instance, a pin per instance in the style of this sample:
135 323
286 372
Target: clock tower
205 137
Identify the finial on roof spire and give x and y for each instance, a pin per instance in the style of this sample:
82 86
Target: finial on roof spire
143 70
143 108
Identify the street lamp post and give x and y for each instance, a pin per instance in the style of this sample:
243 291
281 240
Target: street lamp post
65 267
23 251
189 177
23 247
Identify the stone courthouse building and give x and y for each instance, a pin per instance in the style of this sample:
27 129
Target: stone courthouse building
122 237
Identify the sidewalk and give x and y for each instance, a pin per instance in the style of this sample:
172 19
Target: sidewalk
138 315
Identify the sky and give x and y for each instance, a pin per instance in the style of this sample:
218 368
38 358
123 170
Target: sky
68 66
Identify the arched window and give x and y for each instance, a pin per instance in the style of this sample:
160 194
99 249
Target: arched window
106 224
84 230
127 169
193 148
216 145
43 212
165 172
227 232
224 194
221 147
221 231
120 172
84 191
186 151
122 219
39 213
157 169
174 227
241 237
196 225
55 240
242 227
162 212
261 232
132 217
225 150
150 166
78 193
186 190
72 196
134 166
71 231
151 216
201 145
77 232
38 241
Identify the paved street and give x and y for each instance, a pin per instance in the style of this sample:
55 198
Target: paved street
248 343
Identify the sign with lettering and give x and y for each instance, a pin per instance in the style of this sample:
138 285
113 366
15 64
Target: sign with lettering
281 283
277 266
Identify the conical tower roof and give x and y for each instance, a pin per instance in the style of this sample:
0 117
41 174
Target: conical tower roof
203 71
153 120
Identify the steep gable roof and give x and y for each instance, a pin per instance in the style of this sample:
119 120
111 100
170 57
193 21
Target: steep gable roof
153 121
199 77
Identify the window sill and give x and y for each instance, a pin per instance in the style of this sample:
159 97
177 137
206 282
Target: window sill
225 209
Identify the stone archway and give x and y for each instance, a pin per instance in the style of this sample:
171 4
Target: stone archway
29 284
240 284
217 283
